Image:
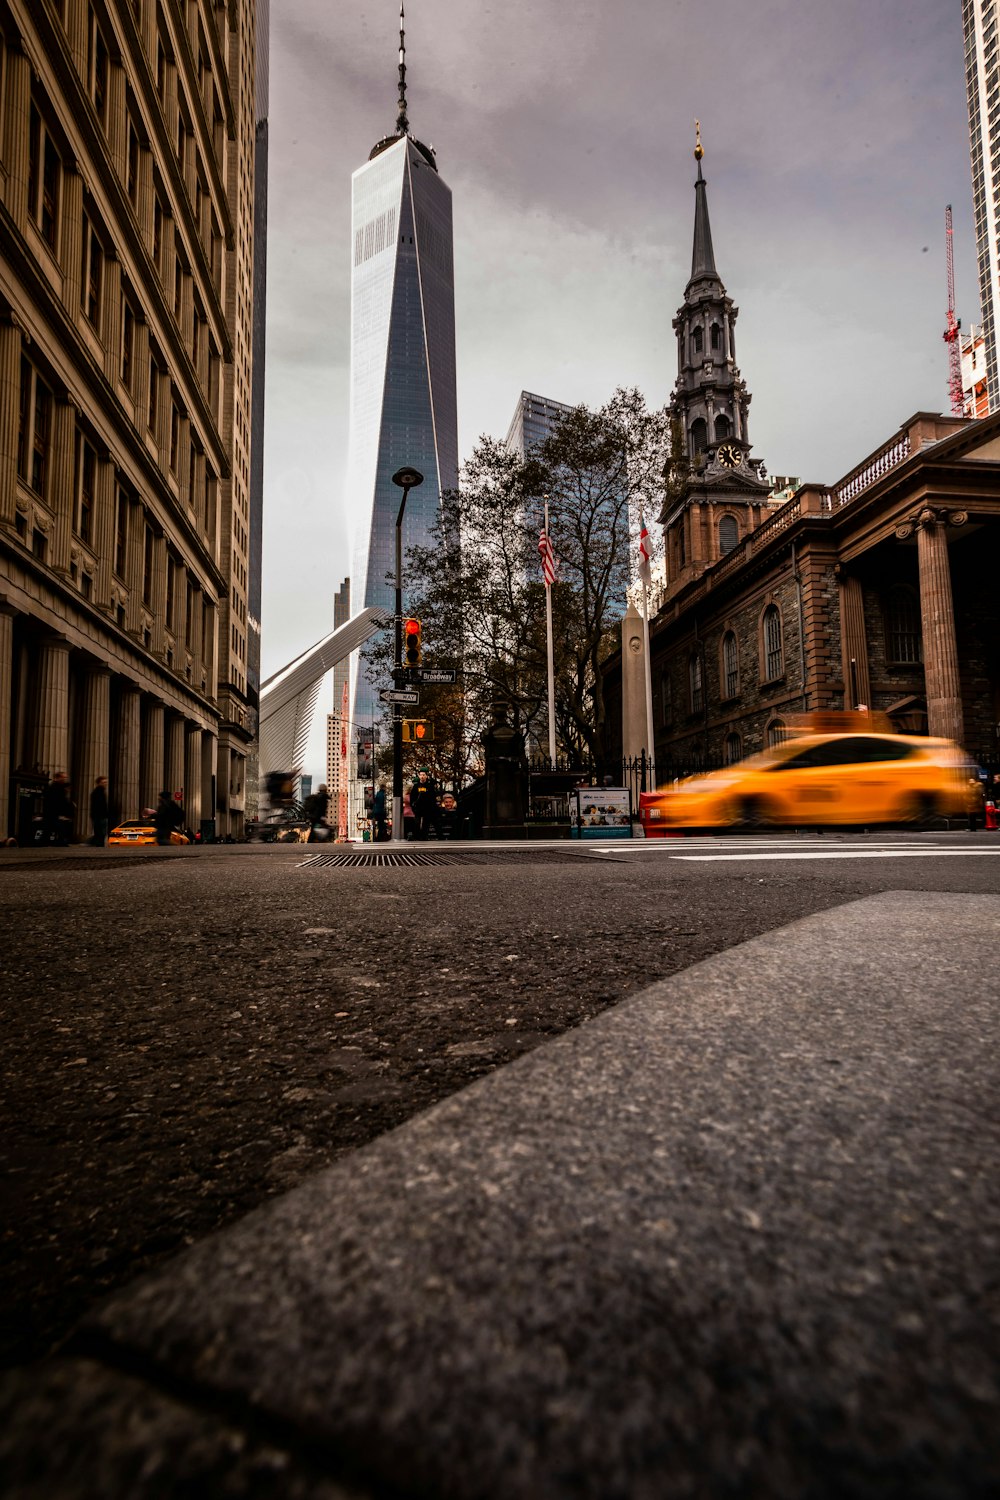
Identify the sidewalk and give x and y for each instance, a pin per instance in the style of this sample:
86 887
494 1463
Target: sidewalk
738 1236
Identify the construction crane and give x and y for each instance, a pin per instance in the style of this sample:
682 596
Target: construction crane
953 325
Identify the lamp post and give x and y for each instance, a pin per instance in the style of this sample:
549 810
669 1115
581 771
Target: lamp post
407 480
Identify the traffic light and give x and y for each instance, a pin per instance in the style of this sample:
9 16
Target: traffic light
411 643
417 731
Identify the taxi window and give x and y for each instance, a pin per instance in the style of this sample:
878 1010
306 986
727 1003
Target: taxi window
870 750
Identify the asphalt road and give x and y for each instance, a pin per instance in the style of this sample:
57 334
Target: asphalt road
189 1032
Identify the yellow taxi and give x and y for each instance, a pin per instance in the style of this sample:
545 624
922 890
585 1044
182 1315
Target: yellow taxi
142 831
851 778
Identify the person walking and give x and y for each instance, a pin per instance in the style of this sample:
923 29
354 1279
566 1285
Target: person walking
315 810
57 810
166 818
99 812
378 814
423 800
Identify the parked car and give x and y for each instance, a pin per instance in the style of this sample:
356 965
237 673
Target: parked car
820 779
141 831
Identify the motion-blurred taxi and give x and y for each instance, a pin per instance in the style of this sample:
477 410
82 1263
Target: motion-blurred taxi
853 778
142 831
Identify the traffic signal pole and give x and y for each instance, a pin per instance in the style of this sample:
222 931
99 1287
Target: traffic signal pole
406 479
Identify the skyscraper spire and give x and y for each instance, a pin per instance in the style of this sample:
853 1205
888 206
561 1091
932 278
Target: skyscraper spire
402 123
702 256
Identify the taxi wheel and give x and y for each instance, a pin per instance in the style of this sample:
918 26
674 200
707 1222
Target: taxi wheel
917 808
754 813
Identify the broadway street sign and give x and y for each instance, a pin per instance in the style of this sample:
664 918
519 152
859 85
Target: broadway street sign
399 695
432 674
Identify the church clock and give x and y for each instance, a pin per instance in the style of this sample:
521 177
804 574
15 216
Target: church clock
729 455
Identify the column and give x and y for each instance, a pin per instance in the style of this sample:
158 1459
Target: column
158 606
71 239
103 542
183 461
133 567
192 776
854 643
76 35
209 757
112 320
937 619
125 784
140 363
144 196
18 88
62 491
151 765
92 751
116 118
51 727
173 775
10 400
6 711
197 665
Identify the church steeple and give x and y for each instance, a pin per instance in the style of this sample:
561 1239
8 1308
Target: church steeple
702 255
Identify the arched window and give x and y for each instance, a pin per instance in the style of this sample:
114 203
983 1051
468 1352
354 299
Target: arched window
699 436
903 640
729 533
733 749
698 339
775 733
730 665
697 683
716 336
723 428
771 638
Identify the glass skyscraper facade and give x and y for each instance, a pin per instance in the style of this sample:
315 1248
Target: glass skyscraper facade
534 419
403 398
982 74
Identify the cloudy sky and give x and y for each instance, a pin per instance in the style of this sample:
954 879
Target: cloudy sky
835 133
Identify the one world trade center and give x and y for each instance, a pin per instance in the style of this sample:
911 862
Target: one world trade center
403 401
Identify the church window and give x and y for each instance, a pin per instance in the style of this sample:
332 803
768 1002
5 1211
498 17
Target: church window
903 641
773 651
733 749
716 336
681 543
730 665
699 340
699 436
697 680
775 733
723 428
729 534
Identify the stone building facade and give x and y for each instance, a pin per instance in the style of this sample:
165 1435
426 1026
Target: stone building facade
880 591
126 245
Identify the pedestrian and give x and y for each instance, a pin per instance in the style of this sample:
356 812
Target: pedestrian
423 800
99 812
378 814
57 810
315 811
166 818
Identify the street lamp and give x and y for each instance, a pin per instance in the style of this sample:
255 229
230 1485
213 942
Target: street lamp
407 480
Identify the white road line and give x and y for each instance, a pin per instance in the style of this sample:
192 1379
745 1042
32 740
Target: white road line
895 853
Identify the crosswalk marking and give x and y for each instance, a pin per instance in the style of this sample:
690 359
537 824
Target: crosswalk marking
894 853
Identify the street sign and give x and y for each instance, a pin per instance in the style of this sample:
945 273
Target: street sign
432 674
399 695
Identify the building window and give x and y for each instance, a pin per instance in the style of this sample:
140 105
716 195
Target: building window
699 436
730 665
175 435
733 749
698 339
722 427
86 478
775 733
157 231
132 167
903 641
773 655
154 394
211 503
178 288
161 73
34 431
716 336
44 175
171 590
39 544
147 567
128 342
729 534
697 677
97 67
121 532
91 273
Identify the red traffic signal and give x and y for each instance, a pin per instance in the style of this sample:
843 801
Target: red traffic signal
411 643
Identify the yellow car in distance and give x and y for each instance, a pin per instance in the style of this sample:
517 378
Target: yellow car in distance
141 831
855 778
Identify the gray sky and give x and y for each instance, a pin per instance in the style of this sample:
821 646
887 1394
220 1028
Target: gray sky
835 132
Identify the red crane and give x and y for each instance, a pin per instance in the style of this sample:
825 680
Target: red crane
952 326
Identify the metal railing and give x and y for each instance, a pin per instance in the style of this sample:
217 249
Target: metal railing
894 452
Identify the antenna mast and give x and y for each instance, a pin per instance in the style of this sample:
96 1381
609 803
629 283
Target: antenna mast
952 325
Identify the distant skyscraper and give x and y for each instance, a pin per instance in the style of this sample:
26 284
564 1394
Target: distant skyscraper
403 401
982 74
535 417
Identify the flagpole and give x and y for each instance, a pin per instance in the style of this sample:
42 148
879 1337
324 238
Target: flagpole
551 657
648 673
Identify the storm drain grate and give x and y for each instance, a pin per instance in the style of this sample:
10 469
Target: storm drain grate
374 860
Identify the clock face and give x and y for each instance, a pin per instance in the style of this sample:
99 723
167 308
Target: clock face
729 455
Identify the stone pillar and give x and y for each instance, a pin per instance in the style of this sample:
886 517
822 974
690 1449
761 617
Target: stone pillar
51 727
854 643
183 461
125 783
6 711
937 620
76 35
192 776
174 770
10 401
112 320
158 606
93 749
151 768
103 542
209 757
634 731
133 567
62 490
144 196
197 666
71 239
116 131
208 648
18 91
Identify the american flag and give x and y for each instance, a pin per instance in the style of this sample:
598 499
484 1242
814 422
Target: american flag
645 555
548 559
